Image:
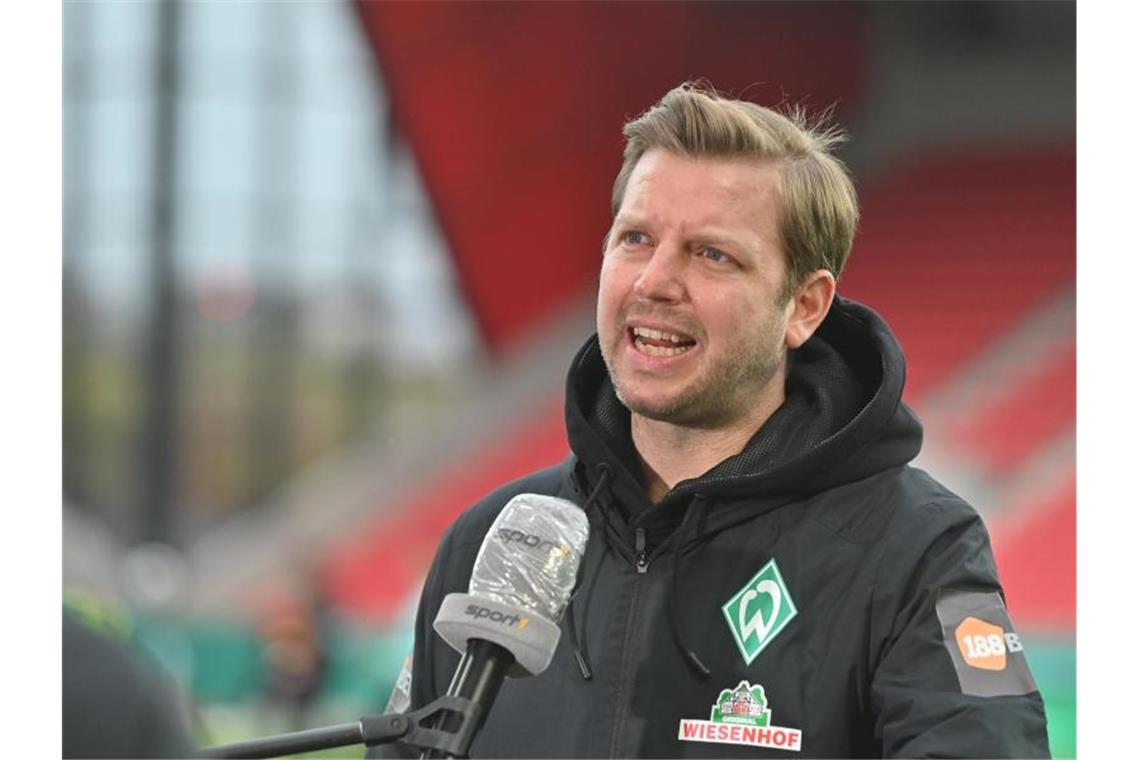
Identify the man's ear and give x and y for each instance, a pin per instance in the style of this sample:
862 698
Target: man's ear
808 306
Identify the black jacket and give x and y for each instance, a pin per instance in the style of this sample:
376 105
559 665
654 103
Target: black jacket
881 631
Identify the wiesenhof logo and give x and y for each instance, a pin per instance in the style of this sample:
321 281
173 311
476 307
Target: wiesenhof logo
740 716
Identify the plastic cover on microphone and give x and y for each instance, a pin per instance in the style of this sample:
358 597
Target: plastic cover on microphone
530 557
522 580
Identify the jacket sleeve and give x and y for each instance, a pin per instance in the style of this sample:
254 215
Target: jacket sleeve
951 678
420 680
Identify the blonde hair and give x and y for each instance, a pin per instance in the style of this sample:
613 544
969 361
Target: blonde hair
819 211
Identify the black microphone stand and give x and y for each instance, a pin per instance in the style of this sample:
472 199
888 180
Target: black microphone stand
477 680
462 717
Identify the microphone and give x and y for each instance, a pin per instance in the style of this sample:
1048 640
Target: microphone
507 622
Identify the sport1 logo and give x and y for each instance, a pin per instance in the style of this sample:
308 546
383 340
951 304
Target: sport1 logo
984 645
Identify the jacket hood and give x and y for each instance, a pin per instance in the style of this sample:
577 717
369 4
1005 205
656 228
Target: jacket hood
842 420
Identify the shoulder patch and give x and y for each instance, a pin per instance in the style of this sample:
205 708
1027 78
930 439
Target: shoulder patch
401 697
987 653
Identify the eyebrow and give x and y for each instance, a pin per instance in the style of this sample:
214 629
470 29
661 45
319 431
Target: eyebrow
716 237
739 246
628 220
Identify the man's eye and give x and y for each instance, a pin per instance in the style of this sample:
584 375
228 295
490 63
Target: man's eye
635 238
713 254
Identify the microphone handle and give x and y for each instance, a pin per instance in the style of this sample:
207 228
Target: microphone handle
480 674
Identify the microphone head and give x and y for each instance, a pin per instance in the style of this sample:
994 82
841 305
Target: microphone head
530 557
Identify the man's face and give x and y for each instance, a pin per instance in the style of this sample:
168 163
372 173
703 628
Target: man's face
687 315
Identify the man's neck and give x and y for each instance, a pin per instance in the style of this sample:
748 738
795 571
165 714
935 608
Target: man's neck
670 453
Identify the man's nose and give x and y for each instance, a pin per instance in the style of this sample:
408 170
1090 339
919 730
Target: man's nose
662 278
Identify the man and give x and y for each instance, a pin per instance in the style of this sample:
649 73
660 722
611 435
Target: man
114 703
766 575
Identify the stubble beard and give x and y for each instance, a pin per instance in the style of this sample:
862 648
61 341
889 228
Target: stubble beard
720 394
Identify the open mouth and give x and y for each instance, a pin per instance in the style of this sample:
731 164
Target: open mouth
653 342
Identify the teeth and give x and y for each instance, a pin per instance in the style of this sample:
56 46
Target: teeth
646 332
650 350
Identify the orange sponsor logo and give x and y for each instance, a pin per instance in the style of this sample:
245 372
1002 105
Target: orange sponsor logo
983 645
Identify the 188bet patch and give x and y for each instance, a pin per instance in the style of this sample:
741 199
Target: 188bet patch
759 611
987 653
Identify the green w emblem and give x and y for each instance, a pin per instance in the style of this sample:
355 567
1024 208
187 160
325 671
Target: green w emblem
759 611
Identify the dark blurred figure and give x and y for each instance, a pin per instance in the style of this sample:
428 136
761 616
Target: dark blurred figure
295 658
114 704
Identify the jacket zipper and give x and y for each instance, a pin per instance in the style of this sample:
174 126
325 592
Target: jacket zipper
642 559
642 565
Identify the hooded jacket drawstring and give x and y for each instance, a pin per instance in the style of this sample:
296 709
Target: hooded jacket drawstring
580 654
694 515
684 539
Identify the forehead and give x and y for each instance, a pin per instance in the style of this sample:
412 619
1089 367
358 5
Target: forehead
702 191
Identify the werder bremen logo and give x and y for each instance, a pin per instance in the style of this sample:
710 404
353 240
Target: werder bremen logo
759 611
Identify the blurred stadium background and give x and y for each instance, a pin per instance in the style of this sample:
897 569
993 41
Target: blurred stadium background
325 265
